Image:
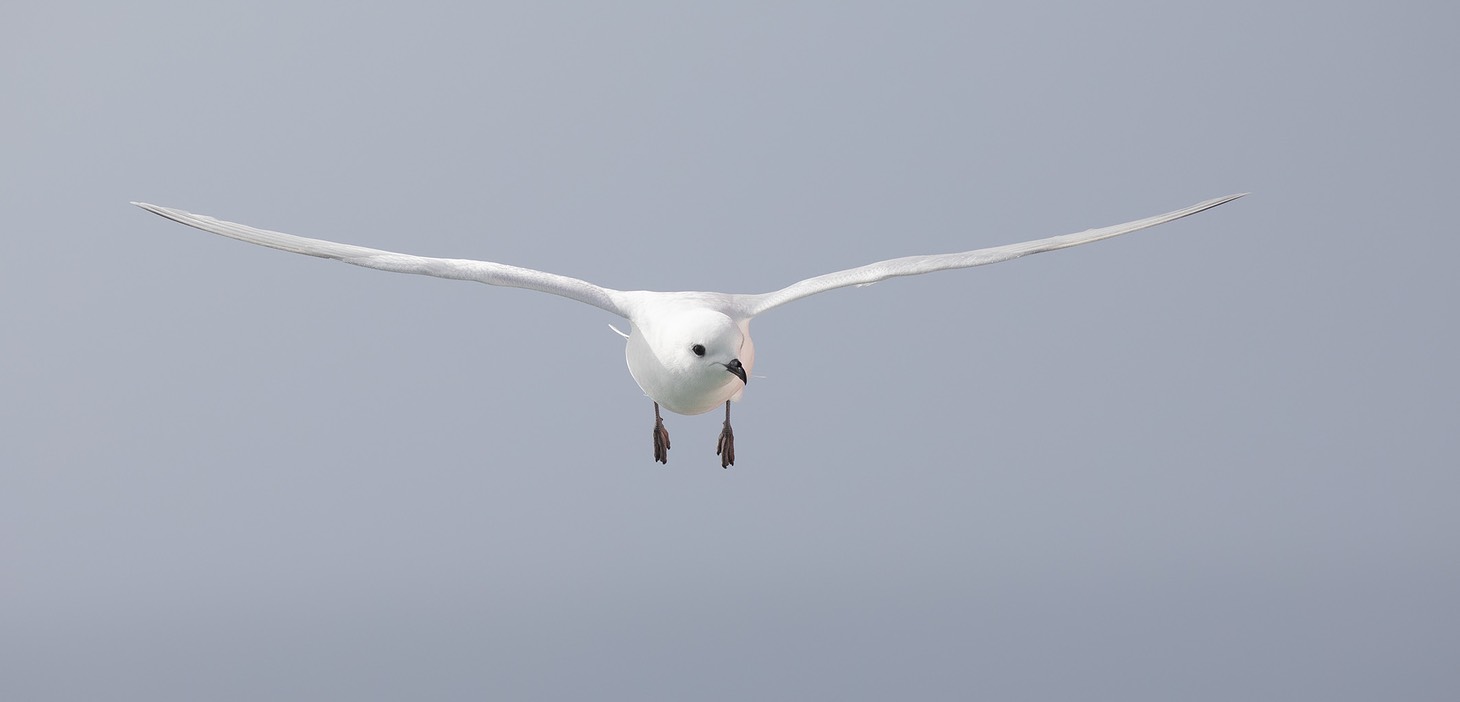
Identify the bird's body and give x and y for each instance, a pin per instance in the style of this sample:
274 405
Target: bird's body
690 352
665 330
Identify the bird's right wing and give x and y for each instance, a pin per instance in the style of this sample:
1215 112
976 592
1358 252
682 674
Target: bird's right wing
752 305
454 268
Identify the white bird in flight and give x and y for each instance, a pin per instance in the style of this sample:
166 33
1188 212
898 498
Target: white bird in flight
689 351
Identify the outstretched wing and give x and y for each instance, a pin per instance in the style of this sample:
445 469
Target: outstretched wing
751 305
454 268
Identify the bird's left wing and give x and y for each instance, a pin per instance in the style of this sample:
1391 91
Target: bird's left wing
454 268
751 305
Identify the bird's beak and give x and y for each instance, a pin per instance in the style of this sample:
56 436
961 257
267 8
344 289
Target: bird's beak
734 367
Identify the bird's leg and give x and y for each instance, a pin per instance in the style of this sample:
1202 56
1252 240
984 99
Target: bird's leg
661 438
725 448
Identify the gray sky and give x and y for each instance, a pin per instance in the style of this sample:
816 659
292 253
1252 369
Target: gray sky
1215 460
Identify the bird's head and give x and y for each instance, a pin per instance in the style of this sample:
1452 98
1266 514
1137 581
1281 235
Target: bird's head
690 359
703 343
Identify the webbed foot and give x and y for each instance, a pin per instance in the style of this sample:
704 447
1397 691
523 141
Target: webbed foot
661 438
725 447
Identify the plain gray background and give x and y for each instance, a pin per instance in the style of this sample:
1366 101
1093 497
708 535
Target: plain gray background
1214 460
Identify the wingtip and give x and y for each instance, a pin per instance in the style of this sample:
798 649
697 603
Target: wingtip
164 212
1222 200
155 209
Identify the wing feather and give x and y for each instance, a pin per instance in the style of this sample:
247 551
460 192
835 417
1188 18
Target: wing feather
453 268
751 305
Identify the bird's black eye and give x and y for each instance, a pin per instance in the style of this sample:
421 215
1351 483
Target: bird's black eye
699 349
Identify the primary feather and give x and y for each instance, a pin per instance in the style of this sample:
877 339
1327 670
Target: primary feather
752 305
453 268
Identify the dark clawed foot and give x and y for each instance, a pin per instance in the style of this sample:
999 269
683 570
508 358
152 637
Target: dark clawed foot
725 448
661 438
661 443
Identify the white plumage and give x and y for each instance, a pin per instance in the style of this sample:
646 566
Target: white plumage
689 351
